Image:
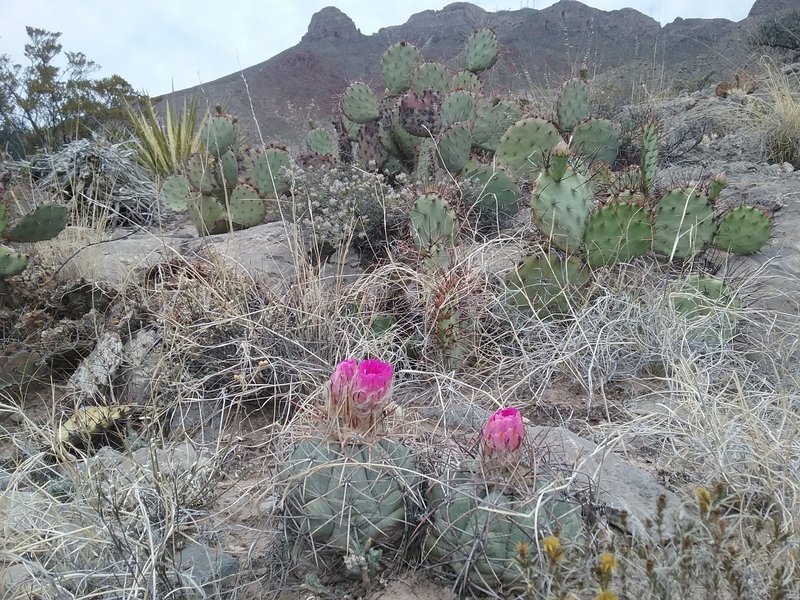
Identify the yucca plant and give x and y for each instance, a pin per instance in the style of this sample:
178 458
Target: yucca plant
164 146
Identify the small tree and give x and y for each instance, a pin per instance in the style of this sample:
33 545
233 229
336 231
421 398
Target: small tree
43 105
781 33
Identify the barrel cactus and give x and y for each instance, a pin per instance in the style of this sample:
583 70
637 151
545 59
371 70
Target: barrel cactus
350 494
483 510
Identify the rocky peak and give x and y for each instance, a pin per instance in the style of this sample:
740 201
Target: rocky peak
458 15
767 8
331 23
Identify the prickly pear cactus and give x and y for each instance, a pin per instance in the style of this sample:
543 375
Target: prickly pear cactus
481 50
219 134
397 64
562 207
596 140
549 285
617 232
454 144
458 107
11 263
359 104
572 106
319 141
477 526
430 76
496 193
350 500
683 223
270 175
491 122
467 81
744 230
434 227
524 144
649 161
420 114
208 215
43 223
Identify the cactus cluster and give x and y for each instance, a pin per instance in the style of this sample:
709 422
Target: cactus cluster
43 223
228 186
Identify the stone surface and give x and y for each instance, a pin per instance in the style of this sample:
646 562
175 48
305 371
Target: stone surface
205 566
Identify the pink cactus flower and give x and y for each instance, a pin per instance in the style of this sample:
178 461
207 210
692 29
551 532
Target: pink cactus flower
372 386
503 433
358 391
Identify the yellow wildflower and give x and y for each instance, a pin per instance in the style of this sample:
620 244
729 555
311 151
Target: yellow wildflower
606 595
703 497
608 562
552 547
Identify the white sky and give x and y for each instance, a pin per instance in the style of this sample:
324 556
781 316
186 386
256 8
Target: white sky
158 45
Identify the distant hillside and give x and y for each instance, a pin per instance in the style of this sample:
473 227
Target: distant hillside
540 48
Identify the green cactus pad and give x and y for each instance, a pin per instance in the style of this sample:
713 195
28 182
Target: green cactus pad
426 163
550 285
597 140
743 231
561 208
227 170
43 223
420 114
498 193
371 150
359 104
683 223
572 106
433 222
245 207
492 120
458 107
467 81
176 193
709 304
481 50
219 135
208 216
649 161
616 233
454 144
524 145
405 143
320 141
397 64
270 175
430 76
200 171
342 498
11 263
476 529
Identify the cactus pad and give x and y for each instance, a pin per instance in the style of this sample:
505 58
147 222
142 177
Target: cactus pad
467 81
573 104
43 223
200 171
270 175
219 135
481 50
649 160
743 231
227 171
430 76
458 107
359 104
492 120
710 304
454 144
597 140
245 207
320 141
420 114
616 233
208 216
524 144
397 64
11 263
562 208
550 285
342 498
176 193
498 194
683 223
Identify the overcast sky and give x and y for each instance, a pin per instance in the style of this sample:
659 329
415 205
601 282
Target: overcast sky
158 44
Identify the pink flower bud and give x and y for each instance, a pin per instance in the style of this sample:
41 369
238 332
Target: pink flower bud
503 432
372 386
342 381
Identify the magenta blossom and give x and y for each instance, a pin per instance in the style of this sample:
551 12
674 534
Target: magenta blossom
358 391
503 432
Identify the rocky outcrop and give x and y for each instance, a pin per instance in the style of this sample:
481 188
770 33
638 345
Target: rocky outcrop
769 8
331 23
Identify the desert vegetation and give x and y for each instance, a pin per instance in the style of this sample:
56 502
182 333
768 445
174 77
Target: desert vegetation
461 344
